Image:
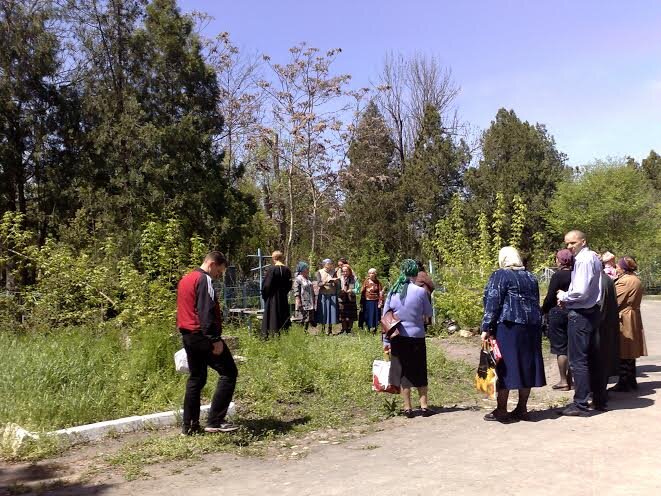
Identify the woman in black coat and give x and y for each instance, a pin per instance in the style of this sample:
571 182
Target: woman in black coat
275 290
558 317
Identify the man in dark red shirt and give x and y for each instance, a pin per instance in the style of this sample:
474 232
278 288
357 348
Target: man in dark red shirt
200 324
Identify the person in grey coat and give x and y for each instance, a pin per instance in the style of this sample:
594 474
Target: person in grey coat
304 296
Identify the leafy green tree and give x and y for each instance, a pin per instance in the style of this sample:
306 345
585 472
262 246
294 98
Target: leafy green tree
434 172
150 104
613 204
28 64
451 239
369 177
651 166
517 158
34 172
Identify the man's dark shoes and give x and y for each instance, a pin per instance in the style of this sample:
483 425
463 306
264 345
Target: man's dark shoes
574 411
426 412
191 430
409 413
621 387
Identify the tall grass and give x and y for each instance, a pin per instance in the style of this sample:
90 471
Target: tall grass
79 376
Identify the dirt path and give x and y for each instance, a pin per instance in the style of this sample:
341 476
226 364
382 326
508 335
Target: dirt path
454 452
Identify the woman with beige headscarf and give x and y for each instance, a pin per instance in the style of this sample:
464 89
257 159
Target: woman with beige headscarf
512 315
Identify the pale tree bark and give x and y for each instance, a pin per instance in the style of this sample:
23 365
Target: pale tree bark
307 101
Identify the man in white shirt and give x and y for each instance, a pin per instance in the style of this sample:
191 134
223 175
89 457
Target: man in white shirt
582 300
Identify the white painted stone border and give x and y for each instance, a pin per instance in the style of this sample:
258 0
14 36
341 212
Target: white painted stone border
99 430
93 432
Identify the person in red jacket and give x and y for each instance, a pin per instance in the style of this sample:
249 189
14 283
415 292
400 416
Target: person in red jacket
200 324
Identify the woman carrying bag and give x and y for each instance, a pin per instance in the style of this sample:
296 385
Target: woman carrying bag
408 369
512 315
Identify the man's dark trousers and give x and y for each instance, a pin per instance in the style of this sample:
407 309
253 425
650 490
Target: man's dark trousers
597 367
199 353
581 328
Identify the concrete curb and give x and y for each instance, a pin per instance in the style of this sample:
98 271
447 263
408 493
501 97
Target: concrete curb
93 432
14 435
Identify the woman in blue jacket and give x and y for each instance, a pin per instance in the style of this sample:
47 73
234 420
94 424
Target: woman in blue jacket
513 316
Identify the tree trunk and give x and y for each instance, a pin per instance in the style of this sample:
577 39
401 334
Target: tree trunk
315 208
276 199
290 239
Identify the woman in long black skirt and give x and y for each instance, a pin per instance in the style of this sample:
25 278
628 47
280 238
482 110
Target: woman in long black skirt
275 290
408 367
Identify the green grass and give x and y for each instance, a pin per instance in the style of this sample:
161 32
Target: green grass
289 385
79 376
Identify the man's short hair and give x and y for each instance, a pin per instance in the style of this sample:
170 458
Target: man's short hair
216 257
579 234
342 260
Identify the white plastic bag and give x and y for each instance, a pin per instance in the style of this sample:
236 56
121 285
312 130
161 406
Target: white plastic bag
181 361
380 378
231 411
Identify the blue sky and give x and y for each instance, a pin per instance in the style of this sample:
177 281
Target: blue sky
588 69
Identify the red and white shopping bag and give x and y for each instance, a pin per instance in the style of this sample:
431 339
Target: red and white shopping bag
496 350
380 382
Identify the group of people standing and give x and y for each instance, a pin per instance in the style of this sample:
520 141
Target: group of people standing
330 298
594 326
592 308
619 338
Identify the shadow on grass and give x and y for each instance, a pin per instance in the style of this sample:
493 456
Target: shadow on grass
267 426
42 478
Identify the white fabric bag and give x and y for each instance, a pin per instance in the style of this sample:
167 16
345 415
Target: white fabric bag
380 378
181 361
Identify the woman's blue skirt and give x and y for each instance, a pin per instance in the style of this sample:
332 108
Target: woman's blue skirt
371 313
327 309
522 365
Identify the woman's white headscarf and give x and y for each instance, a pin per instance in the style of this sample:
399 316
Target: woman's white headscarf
509 258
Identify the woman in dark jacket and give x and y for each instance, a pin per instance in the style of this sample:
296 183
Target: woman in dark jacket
557 316
512 315
275 290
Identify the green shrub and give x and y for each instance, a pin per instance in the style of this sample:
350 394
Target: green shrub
460 297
